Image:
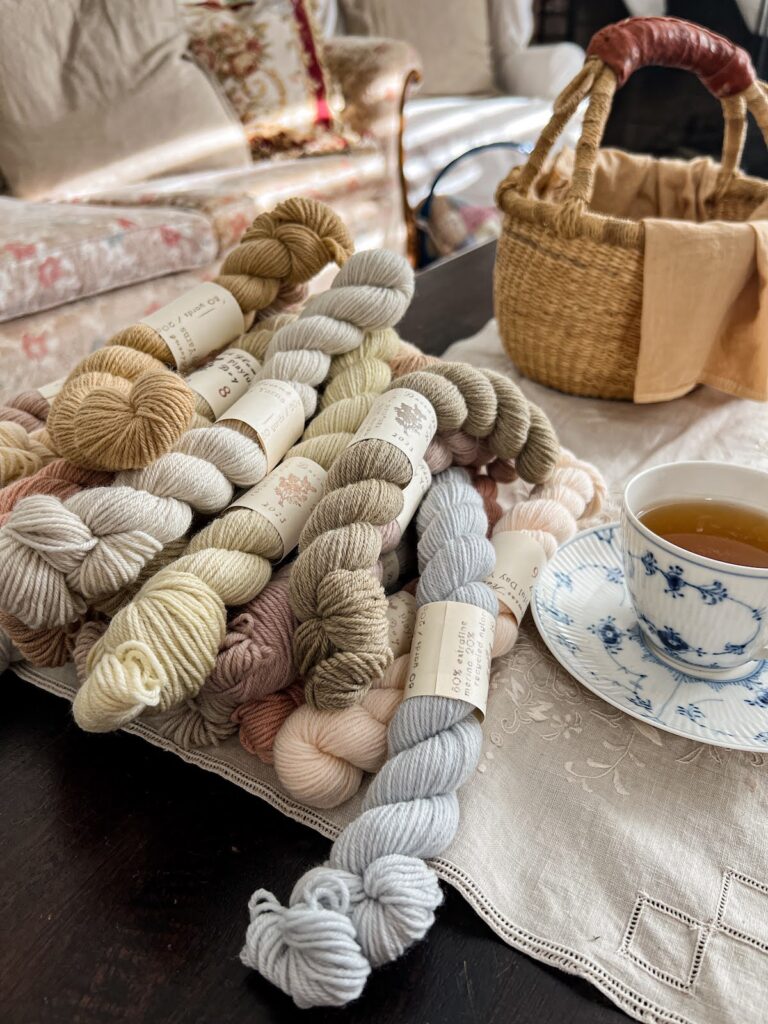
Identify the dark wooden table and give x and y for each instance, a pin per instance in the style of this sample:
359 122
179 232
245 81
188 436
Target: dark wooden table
125 873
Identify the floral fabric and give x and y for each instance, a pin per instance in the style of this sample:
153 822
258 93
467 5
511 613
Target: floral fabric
266 55
50 255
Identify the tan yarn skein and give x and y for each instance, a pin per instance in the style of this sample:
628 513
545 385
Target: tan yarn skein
159 650
341 646
58 556
121 408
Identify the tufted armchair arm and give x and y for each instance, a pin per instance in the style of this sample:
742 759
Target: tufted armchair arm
376 77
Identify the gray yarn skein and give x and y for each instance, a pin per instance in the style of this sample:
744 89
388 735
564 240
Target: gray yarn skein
60 556
376 896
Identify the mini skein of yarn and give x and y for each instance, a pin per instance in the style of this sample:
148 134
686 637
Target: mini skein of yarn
107 414
29 409
340 645
158 651
59 556
320 756
576 490
376 896
60 479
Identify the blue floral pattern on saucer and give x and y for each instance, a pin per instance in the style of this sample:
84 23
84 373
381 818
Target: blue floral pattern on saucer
584 614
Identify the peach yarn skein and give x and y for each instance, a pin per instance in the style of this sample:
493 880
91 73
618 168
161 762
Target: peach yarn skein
159 650
59 556
320 756
121 407
575 491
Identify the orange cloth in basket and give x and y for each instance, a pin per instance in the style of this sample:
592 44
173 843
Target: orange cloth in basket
705 283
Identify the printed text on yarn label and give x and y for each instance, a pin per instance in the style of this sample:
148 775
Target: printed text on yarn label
225 380
404 418
519 560
200 322
412 495
401 618
274 411
451 653
286 497
50 391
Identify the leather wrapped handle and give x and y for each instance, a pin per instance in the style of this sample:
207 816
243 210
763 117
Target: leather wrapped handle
724 68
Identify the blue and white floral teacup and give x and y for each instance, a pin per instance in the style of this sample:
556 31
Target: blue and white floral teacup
704 617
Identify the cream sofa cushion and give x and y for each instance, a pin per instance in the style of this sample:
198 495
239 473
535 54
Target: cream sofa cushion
451 36
94 93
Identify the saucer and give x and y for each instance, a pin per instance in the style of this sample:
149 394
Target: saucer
585 617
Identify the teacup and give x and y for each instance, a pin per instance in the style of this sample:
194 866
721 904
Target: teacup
701 616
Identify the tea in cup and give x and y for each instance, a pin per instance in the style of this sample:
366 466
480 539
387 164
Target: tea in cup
695 542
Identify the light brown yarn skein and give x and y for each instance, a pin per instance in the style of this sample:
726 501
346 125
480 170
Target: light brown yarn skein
121 408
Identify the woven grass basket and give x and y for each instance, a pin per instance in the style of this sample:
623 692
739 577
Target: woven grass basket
568 282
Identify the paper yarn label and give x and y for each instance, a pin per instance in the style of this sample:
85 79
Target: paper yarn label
201 321
404 418
412 495
275 413
286 498
519 561
401 618
49 391
225 379
451 653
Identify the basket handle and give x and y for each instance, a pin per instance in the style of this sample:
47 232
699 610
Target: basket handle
630 45
724 68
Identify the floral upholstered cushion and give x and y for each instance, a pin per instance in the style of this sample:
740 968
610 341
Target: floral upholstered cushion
267 56
53 254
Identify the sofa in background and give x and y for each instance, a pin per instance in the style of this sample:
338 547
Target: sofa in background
71 274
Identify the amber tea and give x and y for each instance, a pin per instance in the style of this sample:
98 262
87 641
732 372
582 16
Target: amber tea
715 529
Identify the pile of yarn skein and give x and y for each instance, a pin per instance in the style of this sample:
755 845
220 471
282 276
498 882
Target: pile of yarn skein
225 579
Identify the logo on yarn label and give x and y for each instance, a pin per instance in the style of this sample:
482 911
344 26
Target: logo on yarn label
274 412
225 379
405 419
49 391
401 618
199 322
412 495
519 561
451 653
286 498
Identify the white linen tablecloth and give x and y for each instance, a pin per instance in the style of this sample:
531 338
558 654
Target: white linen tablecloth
591 840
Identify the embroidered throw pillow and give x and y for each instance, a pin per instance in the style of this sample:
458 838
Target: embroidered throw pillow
266 54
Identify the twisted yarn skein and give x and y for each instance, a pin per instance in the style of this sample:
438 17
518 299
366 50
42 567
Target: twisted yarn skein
121 408
61 479
340 645
376 896
576 490
59 556
29 409
320 756
159 650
